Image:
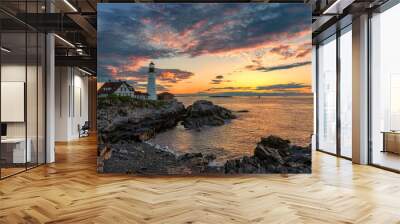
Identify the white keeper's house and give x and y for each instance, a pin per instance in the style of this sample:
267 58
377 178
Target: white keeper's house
120 88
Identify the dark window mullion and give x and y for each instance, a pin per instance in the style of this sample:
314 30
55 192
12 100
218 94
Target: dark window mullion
37 91
338 81
317 97
26 86
369 78
45 87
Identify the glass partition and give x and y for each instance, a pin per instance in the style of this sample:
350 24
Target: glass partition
327 95
346 92
31 98
385 89
13 117
22 87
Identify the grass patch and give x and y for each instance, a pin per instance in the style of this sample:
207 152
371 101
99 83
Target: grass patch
115 100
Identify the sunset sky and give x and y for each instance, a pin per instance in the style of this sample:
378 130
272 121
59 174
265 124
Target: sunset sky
213 48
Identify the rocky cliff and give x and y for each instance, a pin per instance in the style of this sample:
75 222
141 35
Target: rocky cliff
138 122
124 127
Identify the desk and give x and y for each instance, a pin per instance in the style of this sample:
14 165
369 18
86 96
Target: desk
391 141
16 147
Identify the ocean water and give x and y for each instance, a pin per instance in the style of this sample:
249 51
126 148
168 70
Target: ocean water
288 117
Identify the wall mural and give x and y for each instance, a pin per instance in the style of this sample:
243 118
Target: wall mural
196 88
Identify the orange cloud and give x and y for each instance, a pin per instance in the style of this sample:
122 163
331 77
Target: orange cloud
261 42
283 50
304 50
189 31
112 69
134 64
168 75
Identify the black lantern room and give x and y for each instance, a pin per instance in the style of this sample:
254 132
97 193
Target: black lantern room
151 67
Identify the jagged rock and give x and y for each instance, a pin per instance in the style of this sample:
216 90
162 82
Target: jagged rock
275 142
210 157
143 158
232 166
205 113
273 155
245 164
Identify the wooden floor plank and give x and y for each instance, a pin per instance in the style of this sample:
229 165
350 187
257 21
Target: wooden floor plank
70 191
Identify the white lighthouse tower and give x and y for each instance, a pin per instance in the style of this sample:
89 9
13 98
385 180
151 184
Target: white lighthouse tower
151 82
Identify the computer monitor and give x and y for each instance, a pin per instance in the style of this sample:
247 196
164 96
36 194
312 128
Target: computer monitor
3 130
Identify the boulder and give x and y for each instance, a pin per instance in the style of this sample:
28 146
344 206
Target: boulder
275 142
205 113
273 155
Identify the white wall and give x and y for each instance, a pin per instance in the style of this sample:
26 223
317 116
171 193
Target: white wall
17 73
62 82
11 73
33 126
80 112
71 102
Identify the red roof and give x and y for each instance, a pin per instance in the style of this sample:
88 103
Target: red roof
111 87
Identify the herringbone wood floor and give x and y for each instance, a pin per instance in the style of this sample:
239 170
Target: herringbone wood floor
70 191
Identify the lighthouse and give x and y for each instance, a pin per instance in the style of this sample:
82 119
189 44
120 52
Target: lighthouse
151 82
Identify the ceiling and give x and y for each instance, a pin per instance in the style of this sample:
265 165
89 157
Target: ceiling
75 22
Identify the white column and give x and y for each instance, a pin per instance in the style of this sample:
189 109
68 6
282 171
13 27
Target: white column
50 100
63 99
314 90
360 90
